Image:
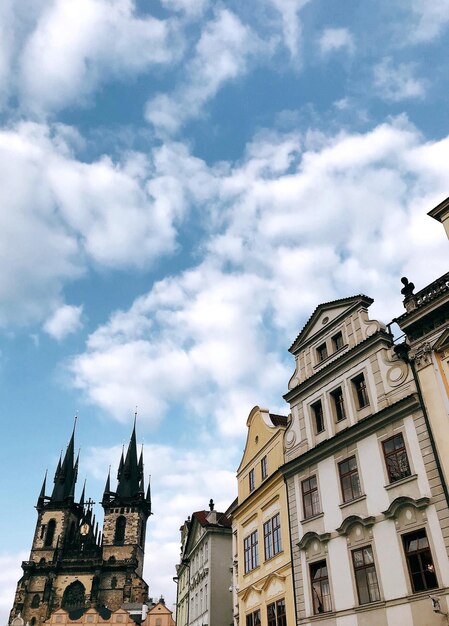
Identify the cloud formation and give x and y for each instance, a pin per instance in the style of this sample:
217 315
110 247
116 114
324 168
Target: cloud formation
64 321
398 82
336 39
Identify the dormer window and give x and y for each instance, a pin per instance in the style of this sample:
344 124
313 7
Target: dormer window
321 352
337 341
317 412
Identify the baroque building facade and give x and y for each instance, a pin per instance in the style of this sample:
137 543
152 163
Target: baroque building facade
262 557
368 511
204 574
72 564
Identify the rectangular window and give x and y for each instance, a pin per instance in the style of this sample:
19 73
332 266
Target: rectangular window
419 561
321 352
337 341
251 551
264 467
338 404
251 480
349 479
317 410
276 615
396 458
272 536
321 593
253 619
361 392
365 575
310 497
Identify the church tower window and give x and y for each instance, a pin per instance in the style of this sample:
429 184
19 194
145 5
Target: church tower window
50 533
120 526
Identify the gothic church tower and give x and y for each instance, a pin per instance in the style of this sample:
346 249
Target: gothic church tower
72 564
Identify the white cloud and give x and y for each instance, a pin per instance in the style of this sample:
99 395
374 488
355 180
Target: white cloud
189 7
291 24
10 573
299 221
77 46
397 83
64 321
432 17
60 214
221 55
333 39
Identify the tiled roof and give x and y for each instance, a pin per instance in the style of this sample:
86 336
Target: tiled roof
278 420
222 519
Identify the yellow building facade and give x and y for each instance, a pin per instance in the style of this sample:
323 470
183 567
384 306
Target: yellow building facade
262 558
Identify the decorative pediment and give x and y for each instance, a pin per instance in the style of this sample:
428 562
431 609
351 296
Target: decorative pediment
312 536
442 343
251 595
352 520
405 501
273 578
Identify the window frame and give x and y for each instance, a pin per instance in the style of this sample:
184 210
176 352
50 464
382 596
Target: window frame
350 473
310 492
320 580
272 539
251 480
364 568
338 404
318 414
278 612
251 551
264 467
360 388
322 352
418 554
395 454
251 618
336 339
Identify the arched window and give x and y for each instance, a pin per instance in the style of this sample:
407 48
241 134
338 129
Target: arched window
74 596
72 532
50 533
113 582
33 621
120 526
35 601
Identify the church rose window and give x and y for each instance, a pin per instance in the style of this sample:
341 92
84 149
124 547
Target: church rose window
74 596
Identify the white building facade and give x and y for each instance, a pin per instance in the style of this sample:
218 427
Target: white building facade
368 514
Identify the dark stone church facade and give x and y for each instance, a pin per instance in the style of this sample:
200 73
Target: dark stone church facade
72 564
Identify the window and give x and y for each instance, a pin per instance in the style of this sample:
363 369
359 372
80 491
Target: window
120 526
419 561
338 404
276 613
272 536
349 479
264 467
321 593
310 497
337 341
50 533
360 391
321 352
396 458
251 480
317 410
35 601
251 550
253 619
365 575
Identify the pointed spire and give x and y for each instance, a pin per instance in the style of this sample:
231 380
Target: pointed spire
107 489
128 485
83 495
41 498
121 464
148 496
66 473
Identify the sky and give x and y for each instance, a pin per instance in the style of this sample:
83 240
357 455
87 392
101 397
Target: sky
182 182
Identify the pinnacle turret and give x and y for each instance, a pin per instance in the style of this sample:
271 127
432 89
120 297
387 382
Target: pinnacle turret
66 473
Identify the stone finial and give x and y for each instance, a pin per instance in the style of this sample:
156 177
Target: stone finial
211 505
408 287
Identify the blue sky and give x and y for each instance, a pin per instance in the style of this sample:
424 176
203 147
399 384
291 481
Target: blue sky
181 183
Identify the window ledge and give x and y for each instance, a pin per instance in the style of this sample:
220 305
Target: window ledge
320 616
359 499
273 557
331 356
369 606
402 481
312 518
251 571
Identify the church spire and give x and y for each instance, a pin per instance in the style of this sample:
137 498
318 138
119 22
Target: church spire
41 498
66 473
107 489
129 479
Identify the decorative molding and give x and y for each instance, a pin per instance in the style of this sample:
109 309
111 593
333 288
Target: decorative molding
403 501
313 536
352 520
